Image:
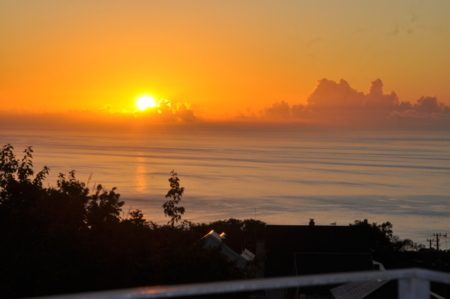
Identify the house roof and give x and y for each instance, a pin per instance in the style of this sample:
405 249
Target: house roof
284 241
317 263
305 238
212 239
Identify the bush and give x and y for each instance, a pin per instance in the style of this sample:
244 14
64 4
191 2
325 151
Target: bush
68 238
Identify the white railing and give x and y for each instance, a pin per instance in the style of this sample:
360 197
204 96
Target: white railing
412 284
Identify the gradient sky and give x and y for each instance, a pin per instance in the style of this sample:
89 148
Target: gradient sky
223 58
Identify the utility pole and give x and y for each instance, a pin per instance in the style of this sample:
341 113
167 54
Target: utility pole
437 235
430 240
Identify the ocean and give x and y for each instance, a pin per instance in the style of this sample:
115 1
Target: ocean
276 176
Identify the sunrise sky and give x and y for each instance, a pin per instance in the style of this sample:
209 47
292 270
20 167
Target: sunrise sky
227 60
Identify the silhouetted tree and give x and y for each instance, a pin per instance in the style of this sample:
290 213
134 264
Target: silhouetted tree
382 237
52 238
65 239
170 207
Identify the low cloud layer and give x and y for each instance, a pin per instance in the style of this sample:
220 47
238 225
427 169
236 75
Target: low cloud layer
331 105
338 104
165 113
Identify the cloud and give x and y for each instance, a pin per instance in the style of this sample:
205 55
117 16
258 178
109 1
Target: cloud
185 114
337 104
426 113
278 110
331 105
167 113
430 105
376 98
329 94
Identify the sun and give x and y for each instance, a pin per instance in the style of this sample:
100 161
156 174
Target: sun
144 102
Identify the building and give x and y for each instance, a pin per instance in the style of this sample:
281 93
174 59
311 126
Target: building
213 239
312 249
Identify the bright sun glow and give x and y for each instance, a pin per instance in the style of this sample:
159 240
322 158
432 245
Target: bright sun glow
144 102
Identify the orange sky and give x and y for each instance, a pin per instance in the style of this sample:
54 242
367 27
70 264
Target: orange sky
224 59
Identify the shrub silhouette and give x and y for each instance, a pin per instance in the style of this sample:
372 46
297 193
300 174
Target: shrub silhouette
171 208
68 238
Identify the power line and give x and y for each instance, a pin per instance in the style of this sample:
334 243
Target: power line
438 236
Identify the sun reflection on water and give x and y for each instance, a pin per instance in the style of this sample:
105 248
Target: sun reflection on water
141 179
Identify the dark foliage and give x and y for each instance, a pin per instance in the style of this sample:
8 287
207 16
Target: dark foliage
68 238
382 238
171 208
395 253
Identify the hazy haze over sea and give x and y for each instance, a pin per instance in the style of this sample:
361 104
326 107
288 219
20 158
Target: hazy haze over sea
277 176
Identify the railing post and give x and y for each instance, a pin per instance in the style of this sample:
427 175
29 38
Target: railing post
413 288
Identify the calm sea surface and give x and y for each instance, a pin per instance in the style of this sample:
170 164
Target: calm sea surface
280 177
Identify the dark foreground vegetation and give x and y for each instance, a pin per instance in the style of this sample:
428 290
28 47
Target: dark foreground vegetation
69 238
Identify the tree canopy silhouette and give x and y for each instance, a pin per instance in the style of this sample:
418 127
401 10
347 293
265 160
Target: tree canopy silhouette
171 208
69 238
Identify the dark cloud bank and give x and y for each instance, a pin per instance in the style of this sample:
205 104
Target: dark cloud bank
336 104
